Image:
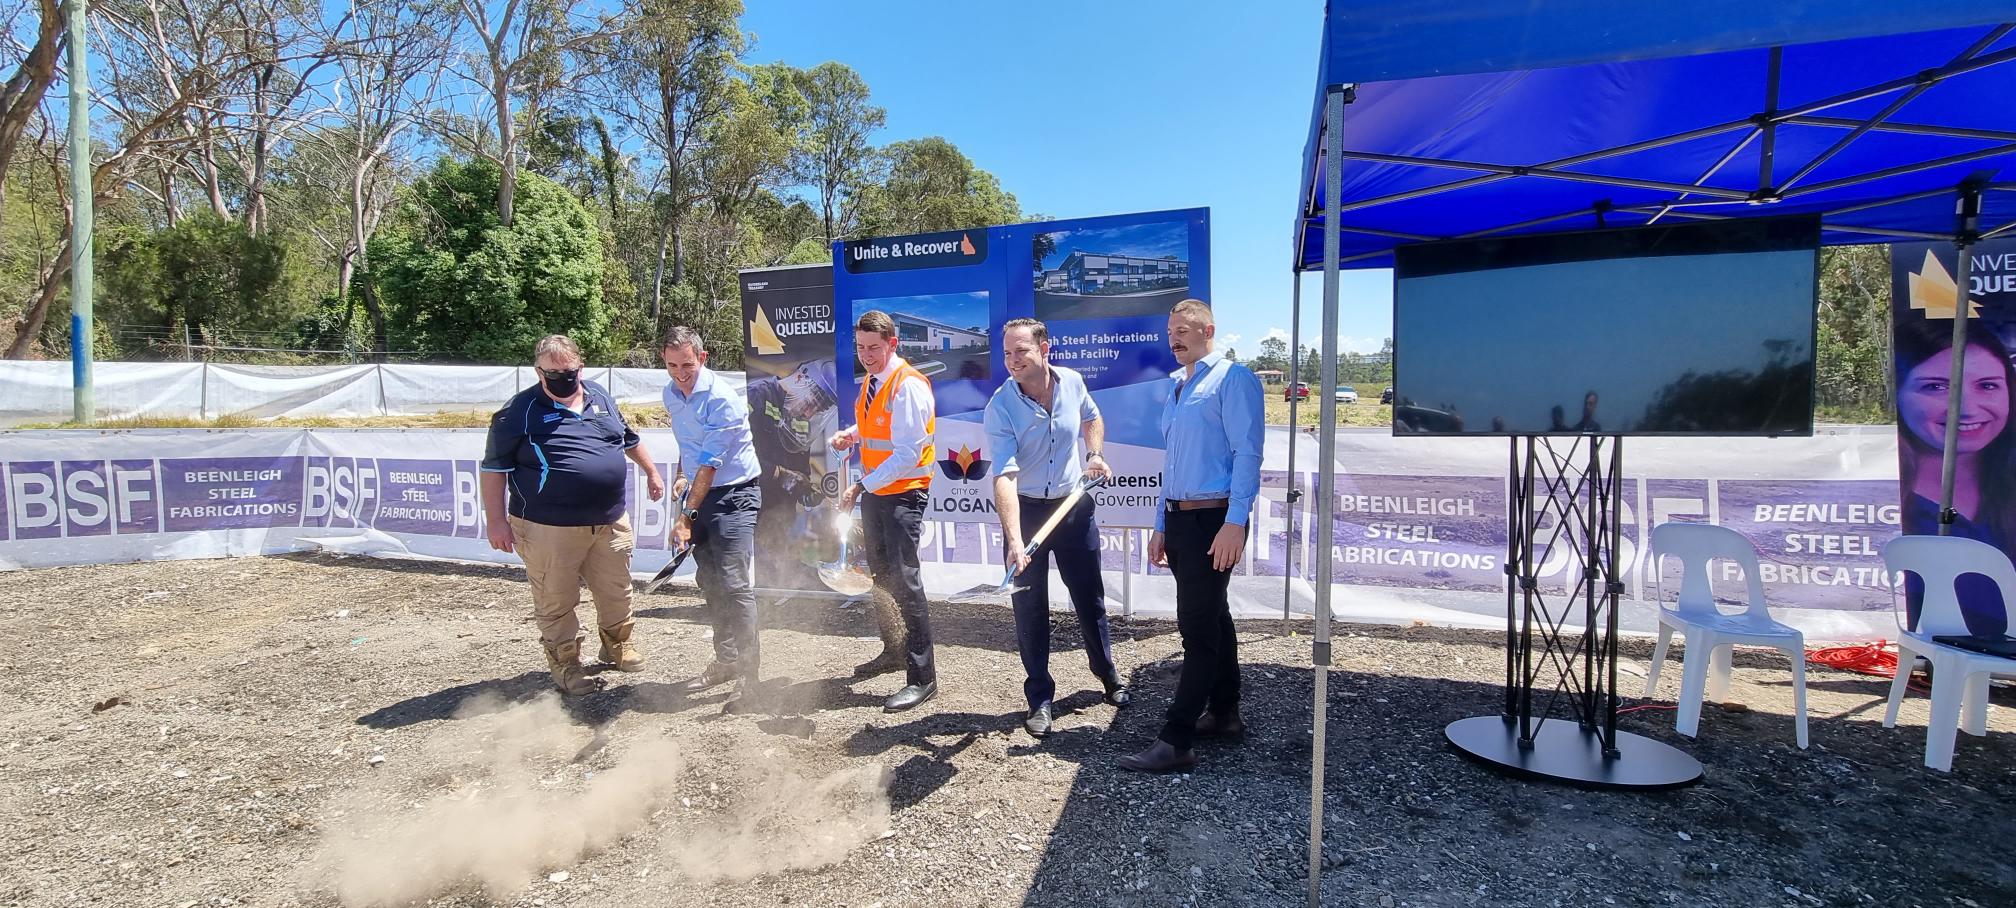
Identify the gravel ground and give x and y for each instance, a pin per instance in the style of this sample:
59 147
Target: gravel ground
297 730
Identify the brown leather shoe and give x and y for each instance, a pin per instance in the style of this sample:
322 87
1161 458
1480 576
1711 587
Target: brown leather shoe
717 673
1160 756
1229 725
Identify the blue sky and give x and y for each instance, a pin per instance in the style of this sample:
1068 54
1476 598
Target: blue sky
960 310
1087 109
1146 240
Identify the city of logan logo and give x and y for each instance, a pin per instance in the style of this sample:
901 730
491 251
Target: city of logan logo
964 464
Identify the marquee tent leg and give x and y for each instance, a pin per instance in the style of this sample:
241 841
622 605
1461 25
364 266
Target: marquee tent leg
1294 494
1969 211
1326 459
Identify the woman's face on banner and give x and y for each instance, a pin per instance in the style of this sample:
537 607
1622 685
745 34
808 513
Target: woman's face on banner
1984 399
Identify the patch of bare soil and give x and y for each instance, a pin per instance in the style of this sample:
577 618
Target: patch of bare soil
315 731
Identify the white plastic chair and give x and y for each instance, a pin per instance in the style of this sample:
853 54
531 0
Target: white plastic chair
1710 633
1959 678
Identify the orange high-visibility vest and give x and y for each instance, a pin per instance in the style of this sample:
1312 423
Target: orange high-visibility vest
873 419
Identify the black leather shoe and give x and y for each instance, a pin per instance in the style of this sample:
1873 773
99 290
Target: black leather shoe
910 696
1229 725
1116 693
1159 757
717 673
890 660
1038 722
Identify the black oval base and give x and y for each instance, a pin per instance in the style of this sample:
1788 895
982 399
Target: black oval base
1563 752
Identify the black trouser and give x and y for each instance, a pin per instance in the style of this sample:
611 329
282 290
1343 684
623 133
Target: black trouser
724 547
1074 543
1210 644
891 525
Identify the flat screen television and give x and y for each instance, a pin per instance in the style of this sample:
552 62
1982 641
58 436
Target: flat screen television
1692 329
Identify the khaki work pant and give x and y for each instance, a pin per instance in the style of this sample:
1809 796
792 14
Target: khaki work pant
558 560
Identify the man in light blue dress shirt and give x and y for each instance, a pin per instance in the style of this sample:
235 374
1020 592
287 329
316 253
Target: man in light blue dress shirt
719 500
1213 428
1035 424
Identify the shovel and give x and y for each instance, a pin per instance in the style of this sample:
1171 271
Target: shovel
665 573
988 593
843 576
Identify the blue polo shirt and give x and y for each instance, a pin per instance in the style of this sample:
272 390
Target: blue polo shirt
566 468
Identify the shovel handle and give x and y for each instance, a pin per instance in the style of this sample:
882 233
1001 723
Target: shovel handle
1056 517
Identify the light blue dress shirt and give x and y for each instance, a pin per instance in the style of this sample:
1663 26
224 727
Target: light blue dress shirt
712 425
1213 428
1040 445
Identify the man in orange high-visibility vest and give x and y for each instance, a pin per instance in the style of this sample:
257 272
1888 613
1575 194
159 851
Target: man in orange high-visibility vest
895 417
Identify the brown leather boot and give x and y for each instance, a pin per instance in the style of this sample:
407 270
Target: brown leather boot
563 662
617 650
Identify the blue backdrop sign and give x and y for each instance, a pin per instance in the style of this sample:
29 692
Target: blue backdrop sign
1104 287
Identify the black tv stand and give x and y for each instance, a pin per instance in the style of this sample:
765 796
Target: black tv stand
1566 491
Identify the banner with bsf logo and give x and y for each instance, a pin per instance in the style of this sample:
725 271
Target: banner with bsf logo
81 498
1425 517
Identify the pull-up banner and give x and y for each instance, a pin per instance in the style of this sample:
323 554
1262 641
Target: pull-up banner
1925 294
787 357
1102 286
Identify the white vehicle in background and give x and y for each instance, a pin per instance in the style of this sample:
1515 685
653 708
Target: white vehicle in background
1347 395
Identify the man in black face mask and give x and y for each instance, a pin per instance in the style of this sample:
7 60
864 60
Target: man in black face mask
559 446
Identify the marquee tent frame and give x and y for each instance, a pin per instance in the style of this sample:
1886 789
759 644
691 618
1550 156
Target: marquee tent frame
1473 118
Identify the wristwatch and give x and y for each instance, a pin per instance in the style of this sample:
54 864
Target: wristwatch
1095 454
688 512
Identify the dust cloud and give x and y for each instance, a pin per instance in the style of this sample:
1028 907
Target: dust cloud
785 821
507 792
503 801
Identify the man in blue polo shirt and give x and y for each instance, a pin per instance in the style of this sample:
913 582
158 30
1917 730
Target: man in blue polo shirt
559 447
1035 423
719 502
1213 429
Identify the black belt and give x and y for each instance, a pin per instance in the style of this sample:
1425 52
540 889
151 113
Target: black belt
1202 504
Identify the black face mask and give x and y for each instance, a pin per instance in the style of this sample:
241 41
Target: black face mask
561 383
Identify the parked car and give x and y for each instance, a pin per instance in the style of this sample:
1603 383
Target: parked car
1347 394
1386 396
1297 391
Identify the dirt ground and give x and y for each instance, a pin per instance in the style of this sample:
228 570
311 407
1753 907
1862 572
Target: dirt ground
301 730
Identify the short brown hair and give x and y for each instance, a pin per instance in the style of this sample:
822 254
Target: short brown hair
1037 330
1195 309
682 336
878 322
558 345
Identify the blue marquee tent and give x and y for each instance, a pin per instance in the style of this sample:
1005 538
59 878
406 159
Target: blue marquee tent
1443 119
1876 133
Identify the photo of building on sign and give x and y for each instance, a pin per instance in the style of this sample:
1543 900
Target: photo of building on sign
1111 272
943 334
